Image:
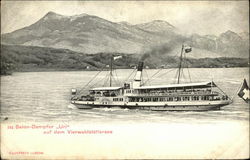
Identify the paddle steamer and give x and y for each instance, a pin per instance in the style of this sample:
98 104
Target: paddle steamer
200 96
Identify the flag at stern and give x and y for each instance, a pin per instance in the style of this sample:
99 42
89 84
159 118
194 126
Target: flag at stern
244 91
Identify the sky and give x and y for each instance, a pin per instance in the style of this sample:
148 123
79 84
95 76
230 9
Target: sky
202 17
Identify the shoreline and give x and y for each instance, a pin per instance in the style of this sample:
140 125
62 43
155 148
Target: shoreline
93 70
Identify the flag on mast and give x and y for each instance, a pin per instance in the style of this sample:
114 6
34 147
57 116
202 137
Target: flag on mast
244 91
117 57
188 49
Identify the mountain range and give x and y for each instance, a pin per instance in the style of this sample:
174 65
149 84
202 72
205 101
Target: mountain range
91 34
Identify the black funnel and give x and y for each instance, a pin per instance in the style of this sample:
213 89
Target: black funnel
140 66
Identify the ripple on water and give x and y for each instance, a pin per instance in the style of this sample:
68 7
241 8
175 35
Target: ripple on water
46 96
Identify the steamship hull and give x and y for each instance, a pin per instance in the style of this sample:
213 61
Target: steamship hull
174 106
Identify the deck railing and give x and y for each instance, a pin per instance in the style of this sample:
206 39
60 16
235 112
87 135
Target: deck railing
202 93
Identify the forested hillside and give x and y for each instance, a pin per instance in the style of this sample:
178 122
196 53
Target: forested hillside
29 58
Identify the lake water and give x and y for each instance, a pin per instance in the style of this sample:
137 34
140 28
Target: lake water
43 98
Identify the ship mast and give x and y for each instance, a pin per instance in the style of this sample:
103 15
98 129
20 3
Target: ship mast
111 68
179 70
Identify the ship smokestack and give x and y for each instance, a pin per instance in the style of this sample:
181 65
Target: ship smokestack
137 79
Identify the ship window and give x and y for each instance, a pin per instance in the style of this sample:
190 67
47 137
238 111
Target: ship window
162 99
134 99
146 99
130 99
155 99
185 98
195 98
205 97
117 99
170 99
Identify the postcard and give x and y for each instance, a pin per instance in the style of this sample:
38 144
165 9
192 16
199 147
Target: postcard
124 79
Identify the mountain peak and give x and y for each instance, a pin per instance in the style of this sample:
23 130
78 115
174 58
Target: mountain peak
156 26
230 36
160 21
74 17
244 35
52 15
80 15
230 32
157 22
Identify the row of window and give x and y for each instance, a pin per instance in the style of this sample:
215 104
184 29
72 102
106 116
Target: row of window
117 99
130 91
167 91
157 99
